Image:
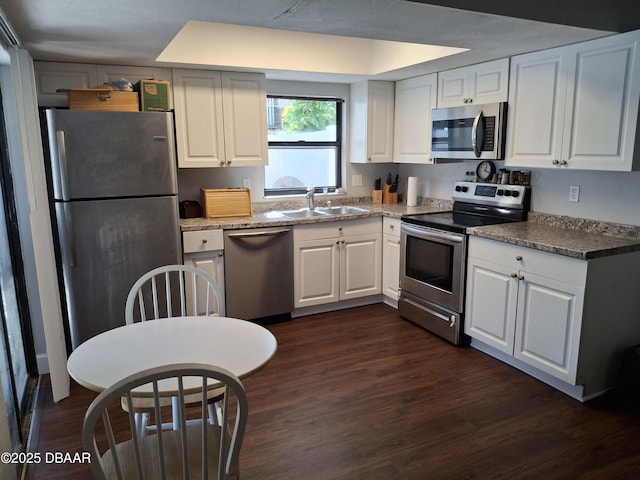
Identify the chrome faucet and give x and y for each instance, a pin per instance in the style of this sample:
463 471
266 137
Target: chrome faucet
312 202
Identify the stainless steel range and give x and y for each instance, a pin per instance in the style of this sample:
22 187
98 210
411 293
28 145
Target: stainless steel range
434 254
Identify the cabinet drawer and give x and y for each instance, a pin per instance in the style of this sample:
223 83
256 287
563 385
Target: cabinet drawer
337 228
550 265
391 226
202 241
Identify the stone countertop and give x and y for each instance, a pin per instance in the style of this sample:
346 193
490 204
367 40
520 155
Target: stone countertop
274 219
570 242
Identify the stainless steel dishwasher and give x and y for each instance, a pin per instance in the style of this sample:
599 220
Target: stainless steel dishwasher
258 272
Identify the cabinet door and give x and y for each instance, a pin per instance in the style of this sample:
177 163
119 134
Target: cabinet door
548 324
415 98
537 95
53 79
316 272
489 82
453 87
491 304
483 83
380 122
211 262
244 103
391 266
602 105
360 266
371 121
197 98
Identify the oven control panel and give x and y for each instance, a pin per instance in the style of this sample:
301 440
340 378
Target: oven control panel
512 196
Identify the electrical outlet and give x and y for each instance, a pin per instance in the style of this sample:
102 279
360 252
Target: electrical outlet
246 183
574 193
356 180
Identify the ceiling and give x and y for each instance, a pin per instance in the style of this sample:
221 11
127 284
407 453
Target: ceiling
126 32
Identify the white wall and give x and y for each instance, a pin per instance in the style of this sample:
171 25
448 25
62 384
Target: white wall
605 196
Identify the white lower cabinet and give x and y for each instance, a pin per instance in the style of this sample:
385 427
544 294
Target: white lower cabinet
557 314
391 259
338 260
204 249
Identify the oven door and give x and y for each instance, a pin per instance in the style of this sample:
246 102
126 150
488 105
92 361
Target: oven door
432 265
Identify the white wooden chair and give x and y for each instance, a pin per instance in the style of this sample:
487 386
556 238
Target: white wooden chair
204 451
173 291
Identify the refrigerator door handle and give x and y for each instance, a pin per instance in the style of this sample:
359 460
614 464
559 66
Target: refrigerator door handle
66 228
62 164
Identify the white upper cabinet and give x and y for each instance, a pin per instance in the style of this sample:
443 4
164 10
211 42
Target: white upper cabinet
477 84
220 118
244 110
415 98
576 107
53 79
372 108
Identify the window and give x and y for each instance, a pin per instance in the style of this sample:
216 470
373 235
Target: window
304 144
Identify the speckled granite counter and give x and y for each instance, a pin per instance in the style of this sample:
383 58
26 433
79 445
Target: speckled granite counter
271 218
562 238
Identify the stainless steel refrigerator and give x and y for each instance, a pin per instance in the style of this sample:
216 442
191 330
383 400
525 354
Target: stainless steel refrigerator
116 208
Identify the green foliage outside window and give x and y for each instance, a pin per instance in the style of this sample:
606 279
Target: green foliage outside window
308 115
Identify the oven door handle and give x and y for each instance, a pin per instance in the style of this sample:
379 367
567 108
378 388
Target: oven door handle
431 233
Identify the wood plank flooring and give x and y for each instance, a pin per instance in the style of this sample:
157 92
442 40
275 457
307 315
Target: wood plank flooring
364 394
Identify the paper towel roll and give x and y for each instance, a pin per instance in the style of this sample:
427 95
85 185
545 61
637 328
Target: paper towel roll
412 191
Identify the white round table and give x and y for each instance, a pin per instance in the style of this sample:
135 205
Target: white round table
240 346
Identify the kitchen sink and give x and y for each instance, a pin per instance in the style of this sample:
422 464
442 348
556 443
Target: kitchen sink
323 212
343 210
304 213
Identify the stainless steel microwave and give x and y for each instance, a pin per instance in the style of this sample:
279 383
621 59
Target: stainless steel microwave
469 132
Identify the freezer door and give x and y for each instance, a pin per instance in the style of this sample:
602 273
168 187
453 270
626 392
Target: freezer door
106 245
111 154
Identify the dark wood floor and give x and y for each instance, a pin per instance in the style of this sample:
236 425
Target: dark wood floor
364 394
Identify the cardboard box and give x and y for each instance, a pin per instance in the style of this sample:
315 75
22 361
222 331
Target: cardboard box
154 95
103 99
226 202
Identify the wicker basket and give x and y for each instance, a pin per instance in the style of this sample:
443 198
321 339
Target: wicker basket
226 202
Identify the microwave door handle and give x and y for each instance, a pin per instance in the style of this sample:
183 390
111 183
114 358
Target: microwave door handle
475 138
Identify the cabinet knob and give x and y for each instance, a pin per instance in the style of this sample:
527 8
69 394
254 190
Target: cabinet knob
342 242
514 275
337 242
204 240
563 162
521 277
555 162
519 258
340 228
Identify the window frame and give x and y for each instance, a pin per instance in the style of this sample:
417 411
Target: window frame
302 144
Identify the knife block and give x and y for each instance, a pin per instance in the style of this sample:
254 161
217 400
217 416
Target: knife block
376 197
387 196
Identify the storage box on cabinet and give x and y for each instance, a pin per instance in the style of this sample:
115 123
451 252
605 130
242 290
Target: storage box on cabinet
103 99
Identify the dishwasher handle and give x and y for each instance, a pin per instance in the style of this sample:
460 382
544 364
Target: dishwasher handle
260 233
